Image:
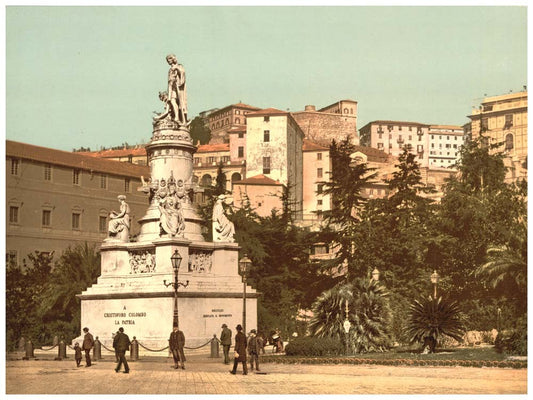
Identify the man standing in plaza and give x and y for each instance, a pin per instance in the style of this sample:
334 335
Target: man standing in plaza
240 351
176 343
121 343
225 339
253 349
87 345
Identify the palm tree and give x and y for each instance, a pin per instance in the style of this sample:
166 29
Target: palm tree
504 264
76 269
431 318
369 315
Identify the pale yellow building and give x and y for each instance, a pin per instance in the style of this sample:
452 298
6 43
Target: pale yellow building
503 119
316 171
274 149
56 199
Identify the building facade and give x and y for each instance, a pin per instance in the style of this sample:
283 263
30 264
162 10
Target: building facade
336 121
224 119
316 171
274 149
392 136
503 119
56 199
445 143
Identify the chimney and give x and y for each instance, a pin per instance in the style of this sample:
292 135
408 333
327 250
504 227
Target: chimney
310 108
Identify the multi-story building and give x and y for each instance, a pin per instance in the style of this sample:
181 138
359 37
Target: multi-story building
274 149
503 119
392 136
56 199
222 120
261 193
316 171
445 143
336 121
207 159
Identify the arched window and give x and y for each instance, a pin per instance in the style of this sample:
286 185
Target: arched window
213 127
345 111
218 125
509 145
235 177
227 121
237 120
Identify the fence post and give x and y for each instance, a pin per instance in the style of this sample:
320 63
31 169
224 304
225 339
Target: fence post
215 350
134 352
97 349
29 350
61 351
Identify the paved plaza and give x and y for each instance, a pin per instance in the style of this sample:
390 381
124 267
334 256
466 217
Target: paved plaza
204 375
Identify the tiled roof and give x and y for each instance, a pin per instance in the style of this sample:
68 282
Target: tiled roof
258 180
237 129
206 148
312 146
238 105
74 160
137 151
373 154
267 111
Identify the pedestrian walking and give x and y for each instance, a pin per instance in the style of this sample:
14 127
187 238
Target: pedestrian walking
253 349
176 343
77 354
240 351
113 335
225 339
87 345
121 344
261 342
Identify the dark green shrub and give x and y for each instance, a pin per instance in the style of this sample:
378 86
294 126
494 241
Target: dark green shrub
513 341
433 318
314 346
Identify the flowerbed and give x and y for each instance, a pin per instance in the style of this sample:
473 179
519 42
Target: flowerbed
395 361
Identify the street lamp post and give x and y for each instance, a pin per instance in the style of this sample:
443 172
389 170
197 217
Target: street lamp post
434 280
176 261
347 326
244 266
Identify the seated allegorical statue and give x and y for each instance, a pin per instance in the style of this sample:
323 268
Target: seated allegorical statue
119 222
223 228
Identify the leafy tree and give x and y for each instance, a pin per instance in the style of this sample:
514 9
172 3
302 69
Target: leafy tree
200 131
345 185
24 292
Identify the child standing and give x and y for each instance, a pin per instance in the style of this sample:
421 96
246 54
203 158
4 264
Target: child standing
77 353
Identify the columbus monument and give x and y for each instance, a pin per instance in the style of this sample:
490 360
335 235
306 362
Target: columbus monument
137 287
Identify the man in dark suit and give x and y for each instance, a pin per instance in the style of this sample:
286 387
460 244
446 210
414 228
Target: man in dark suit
87 345
240 351
225 339
121 343
176 343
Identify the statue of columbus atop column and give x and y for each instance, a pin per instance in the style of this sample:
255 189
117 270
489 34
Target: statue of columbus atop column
175 98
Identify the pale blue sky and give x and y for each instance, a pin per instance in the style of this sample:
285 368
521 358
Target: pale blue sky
89 76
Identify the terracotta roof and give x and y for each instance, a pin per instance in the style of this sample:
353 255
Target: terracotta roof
267 111
74 160
312 146
258 180
206 148
373 154
238 105
137 151
236 129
